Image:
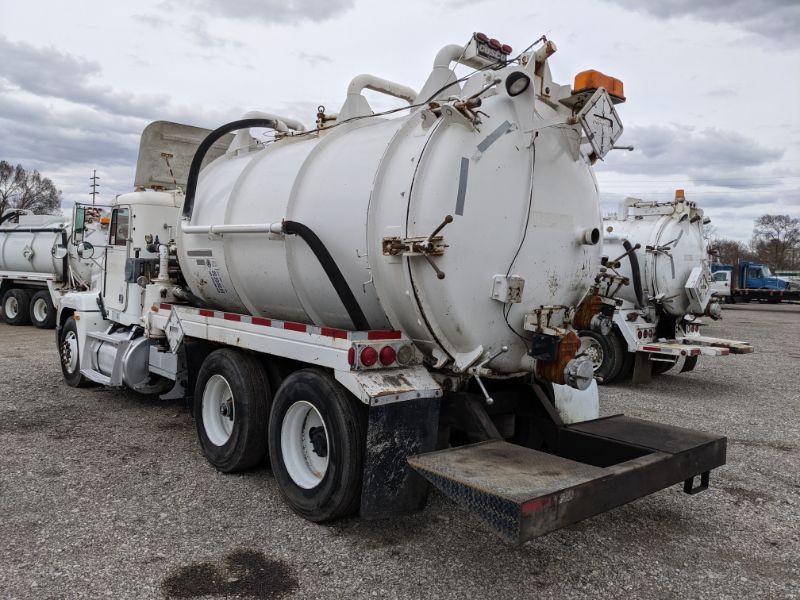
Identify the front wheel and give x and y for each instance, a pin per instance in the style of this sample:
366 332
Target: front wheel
317 435
605 353
69 353
231 407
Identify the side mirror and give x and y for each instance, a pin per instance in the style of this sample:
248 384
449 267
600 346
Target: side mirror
59 252
85 250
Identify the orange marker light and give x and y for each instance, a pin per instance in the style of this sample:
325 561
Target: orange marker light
591 80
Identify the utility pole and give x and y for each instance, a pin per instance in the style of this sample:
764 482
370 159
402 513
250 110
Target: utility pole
94 179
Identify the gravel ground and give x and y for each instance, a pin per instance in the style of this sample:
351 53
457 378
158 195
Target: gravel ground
105 493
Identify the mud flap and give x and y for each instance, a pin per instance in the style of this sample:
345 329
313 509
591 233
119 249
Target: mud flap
642 368
396 431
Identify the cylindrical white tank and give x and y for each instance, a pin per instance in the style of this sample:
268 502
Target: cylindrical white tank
373 179
34 253
670 235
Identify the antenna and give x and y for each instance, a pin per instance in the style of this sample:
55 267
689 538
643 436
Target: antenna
94 185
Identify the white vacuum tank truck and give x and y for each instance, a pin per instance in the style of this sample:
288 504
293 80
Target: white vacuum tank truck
379 304
655 284
40 260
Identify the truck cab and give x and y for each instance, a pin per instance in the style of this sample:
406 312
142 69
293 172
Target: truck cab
721 283
758 276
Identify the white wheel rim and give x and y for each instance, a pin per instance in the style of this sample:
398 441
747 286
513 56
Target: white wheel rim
40 309
69 352
218 410
592 350
300 431
11 308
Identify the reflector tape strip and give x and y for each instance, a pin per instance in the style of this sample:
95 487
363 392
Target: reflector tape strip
331 332
494 136
384 335
334 333
531 506
671 350
462 186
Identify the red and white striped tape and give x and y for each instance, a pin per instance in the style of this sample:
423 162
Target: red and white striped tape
331 332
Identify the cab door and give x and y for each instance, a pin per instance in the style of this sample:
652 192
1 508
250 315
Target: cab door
119 241
755 278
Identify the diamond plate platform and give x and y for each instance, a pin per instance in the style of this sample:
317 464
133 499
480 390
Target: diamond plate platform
522 493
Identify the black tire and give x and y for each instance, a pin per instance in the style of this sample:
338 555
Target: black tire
20 301
660 366
49 321
338 492
69 369
248 383
627 365
609 367
620 348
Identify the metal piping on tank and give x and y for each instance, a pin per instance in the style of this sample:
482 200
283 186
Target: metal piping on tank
276 227
590 237
243 137
356 105
441 77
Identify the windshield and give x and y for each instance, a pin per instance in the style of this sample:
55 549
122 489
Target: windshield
721 276
765 272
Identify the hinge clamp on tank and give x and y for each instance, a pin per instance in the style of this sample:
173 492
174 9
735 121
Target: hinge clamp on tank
426 247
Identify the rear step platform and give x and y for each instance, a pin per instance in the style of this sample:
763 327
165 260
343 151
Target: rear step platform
595 466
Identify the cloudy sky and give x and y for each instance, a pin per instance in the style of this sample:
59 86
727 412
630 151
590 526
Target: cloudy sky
712 85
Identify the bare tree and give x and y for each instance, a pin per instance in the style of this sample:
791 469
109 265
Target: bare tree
20 188
729 252
776 239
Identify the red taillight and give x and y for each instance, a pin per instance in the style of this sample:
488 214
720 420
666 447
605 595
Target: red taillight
639 334
369 356
351 356
482 37
387 356
506 49
494 44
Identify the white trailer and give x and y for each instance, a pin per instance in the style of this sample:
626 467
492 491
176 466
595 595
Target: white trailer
380 304
41 258
656 289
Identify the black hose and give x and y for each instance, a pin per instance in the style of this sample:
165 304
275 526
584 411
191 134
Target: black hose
635 273
331 270
205 146
10 215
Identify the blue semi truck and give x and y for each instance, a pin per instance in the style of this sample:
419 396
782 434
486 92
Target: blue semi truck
748 281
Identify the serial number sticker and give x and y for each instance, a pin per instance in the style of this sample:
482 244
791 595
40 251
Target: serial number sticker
216 276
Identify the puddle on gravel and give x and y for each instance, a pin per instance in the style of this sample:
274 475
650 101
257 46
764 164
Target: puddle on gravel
246 574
